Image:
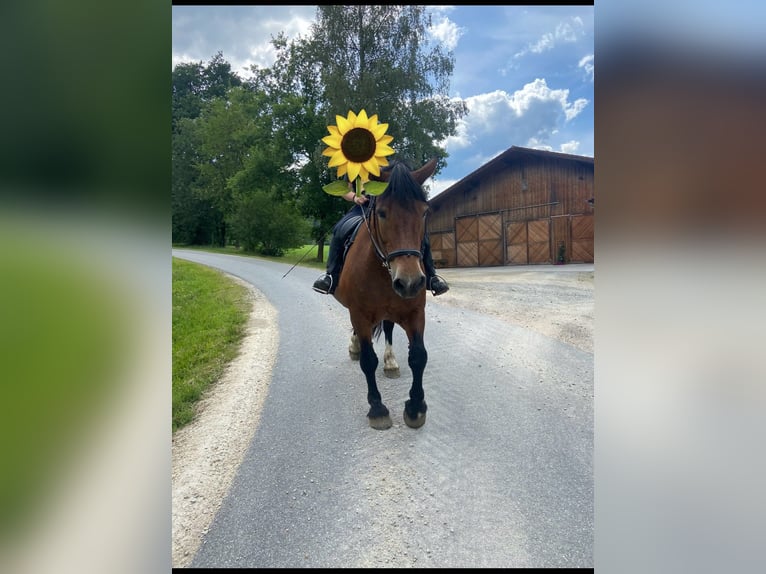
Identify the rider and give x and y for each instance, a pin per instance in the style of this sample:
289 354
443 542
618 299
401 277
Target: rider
328 281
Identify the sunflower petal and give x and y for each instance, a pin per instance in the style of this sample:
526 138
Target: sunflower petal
343 124
353 170
382 162
372 166
383 149
379 130
333 130
385 140
364 175
342 169
333 140
329 152
361 120
337 159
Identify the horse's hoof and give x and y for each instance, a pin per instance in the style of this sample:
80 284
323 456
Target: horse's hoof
415 423
354 356
380 423
391 373
420 416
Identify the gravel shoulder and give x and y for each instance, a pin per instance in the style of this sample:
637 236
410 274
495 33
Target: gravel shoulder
555 301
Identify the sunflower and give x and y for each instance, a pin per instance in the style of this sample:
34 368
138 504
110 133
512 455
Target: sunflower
358 146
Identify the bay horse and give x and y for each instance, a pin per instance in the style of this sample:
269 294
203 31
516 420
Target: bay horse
383 283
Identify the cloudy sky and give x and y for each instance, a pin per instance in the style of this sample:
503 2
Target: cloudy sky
525 72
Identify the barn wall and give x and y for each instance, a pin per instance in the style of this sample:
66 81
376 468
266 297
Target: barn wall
480 224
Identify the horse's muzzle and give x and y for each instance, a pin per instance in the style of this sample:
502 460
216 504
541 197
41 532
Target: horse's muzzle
408 285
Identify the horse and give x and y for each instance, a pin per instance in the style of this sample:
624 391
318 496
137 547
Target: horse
382 284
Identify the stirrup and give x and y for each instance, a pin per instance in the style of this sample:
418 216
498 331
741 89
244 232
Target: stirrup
320 285
442 288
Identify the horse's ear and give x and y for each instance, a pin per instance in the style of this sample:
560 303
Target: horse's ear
422 174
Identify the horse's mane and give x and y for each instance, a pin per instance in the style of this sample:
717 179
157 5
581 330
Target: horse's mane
402 186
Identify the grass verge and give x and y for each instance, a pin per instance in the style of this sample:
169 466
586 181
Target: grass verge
210 312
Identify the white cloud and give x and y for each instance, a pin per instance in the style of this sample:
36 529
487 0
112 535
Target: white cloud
531 114
586 63
566 32
445 32
242 33
570 147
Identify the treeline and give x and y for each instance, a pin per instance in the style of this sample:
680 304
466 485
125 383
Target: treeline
247 164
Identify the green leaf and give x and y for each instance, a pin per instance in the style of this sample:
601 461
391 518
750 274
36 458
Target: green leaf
337 187
375 187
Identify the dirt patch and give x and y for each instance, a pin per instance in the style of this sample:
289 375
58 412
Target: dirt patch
556 301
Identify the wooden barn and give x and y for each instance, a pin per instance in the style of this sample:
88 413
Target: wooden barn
525 206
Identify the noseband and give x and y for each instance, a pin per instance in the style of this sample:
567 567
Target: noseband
385 258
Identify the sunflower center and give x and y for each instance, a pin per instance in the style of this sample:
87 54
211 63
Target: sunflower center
358 145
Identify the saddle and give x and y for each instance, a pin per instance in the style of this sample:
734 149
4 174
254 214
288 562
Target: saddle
348 232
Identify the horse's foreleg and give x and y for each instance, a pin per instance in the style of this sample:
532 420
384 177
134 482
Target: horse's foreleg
415 408
390 366
378 415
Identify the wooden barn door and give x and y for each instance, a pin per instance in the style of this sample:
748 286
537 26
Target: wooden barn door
479 240
528 242
539 240
490 229
516 243
582 238
443 248
467 239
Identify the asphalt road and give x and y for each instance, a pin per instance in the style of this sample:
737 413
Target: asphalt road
501 475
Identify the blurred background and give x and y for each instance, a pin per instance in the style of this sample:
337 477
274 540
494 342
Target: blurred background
85 305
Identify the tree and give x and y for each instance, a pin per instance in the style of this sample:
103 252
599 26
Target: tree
262 224
195 217
194 84
375 58
379 58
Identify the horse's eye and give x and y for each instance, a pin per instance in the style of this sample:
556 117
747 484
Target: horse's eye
382 213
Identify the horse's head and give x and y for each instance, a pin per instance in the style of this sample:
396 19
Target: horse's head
399 220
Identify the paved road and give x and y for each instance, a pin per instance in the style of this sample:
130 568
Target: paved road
499 476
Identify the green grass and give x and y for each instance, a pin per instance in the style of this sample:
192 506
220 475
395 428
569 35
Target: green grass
210 312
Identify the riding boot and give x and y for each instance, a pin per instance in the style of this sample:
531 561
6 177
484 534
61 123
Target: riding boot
435 283
327 283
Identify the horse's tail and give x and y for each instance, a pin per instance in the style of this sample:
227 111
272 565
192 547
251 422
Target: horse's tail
376 331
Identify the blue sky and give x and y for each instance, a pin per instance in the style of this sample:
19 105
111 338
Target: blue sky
525 72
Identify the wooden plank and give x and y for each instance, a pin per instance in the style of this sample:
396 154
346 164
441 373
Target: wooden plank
489 226
582 227
516 232
443 249
467 254
466 229
539 250
517 254
582 251
491 252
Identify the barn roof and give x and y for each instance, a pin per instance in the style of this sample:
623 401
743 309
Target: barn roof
501 162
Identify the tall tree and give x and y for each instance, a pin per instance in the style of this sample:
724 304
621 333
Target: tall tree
376 58
381 58
195 218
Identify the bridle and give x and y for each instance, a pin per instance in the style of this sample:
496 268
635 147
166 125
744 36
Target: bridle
385 258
